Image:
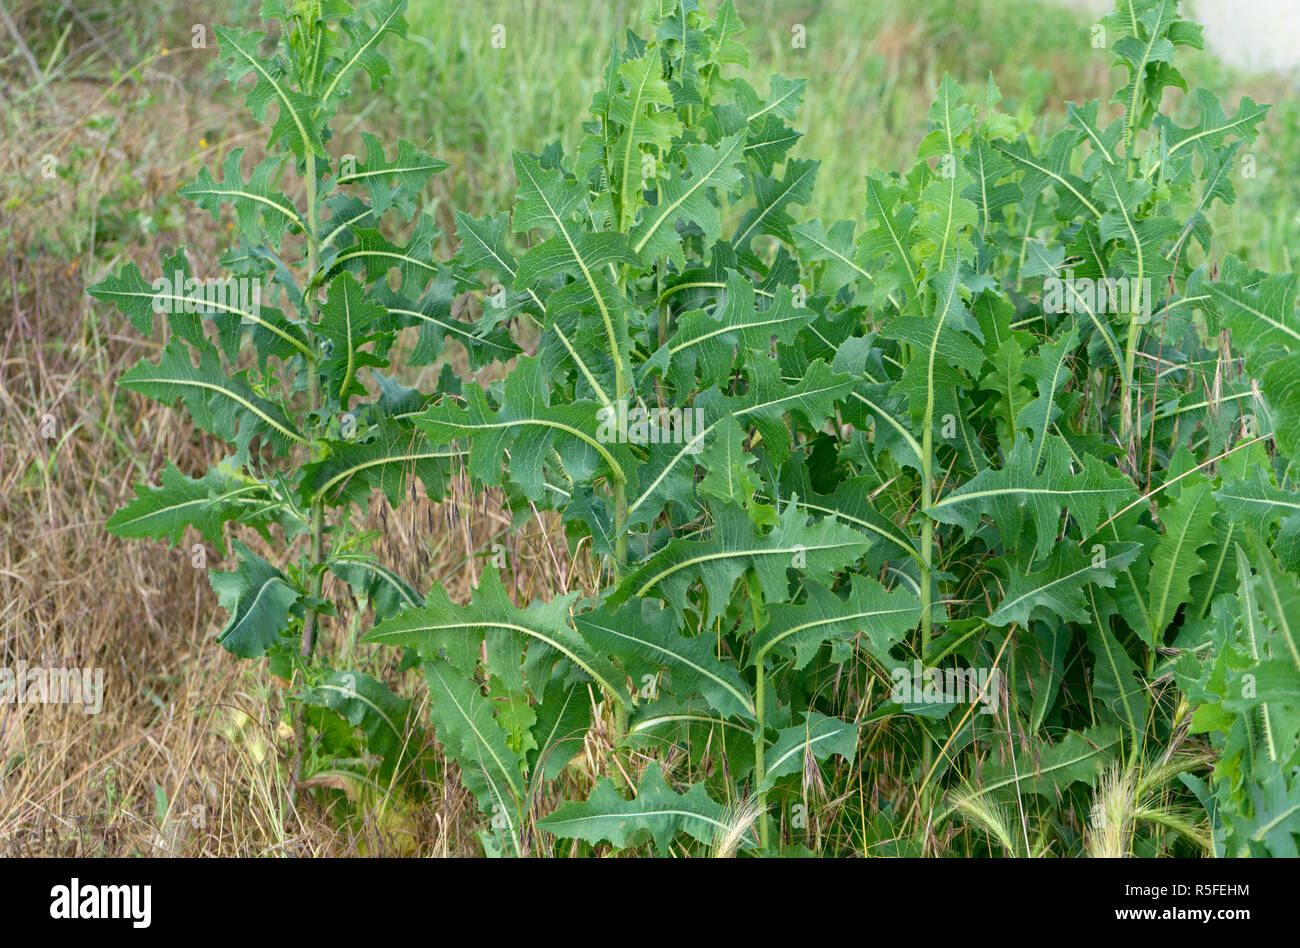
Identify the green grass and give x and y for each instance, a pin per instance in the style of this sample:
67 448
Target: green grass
872 70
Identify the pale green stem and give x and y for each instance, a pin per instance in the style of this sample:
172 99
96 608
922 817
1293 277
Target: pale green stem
927 526
760 734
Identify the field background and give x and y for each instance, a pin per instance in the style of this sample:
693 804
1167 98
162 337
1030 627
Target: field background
188 757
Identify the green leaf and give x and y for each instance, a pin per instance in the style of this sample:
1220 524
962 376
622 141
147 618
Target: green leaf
1050 371
548 200
1059 587
363 52
643 637
881 616
797 748
833 248
1149 31
1051 169
851 504
543 631
205 503
817 550
770 400
388 592
222 404
563 719
727 476
769 140
374 255
526 429
386 461
988 192
261 213
1212 129
296 120
657 811
1175 561
347 322
260 603
1005 380
1276 821
709 170
483 247
1117 682
1048 769
131 294
231 304
466 727
884 248
1264 325
1256 503
1279 600
1004 496
485 342
772 198
704 347
644 111
946 351
411 169
369 704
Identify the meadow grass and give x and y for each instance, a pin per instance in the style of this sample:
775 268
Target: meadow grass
871 68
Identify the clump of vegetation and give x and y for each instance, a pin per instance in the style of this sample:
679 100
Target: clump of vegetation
303 295
993 484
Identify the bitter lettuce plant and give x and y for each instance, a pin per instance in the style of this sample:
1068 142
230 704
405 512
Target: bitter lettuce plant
962 520
272 357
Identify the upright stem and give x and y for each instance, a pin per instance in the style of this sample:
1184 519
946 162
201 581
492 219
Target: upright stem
620 513
313 389
1134 325
927 543
318 575
927 524
620 519
760 734
620 492
317 504
1126 383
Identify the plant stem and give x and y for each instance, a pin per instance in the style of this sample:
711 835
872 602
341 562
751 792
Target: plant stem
318 575
620 519
760 732
313 388
620 489
317 503
620 516
927 545
927 524
1135 320
1126 382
